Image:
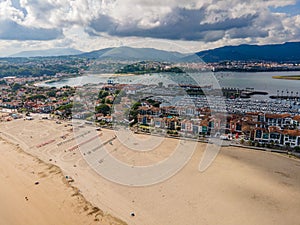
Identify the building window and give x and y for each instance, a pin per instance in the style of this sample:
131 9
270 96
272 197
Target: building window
258 134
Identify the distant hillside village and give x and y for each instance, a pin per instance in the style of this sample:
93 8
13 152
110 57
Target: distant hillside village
146 108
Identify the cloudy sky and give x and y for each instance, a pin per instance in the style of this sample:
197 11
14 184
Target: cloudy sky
185 25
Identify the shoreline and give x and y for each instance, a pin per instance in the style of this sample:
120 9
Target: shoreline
294 77
45 83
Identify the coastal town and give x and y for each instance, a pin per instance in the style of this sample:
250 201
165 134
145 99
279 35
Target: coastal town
51 67
135 112
202 113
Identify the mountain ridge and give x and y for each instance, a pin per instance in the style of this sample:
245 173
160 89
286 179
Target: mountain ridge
129 53
287 52
47 53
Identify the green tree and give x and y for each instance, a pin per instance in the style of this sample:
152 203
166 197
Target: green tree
16 87
51 93
3 82
108 101
133 113
35 97
297 149
102 94
103 108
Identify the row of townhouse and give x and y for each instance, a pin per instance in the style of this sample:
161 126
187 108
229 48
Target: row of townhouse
205 125
277 136
14 104
192 111
278 129
44 106
286 120
251 120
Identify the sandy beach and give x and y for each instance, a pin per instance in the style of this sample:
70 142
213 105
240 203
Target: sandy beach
240 187
36 193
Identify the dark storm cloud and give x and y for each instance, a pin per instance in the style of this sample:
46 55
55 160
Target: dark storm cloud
246 32
181 24
103 23
11 30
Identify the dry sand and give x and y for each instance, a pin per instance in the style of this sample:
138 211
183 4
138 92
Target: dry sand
241 186
37 193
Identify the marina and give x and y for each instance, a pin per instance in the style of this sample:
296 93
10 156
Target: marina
242 92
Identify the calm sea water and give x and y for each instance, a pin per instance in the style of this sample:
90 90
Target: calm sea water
261 81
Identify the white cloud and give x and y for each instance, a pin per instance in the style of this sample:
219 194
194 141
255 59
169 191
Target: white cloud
86 24
8 12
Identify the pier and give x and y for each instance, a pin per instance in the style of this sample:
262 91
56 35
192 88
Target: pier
286 97
241 93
